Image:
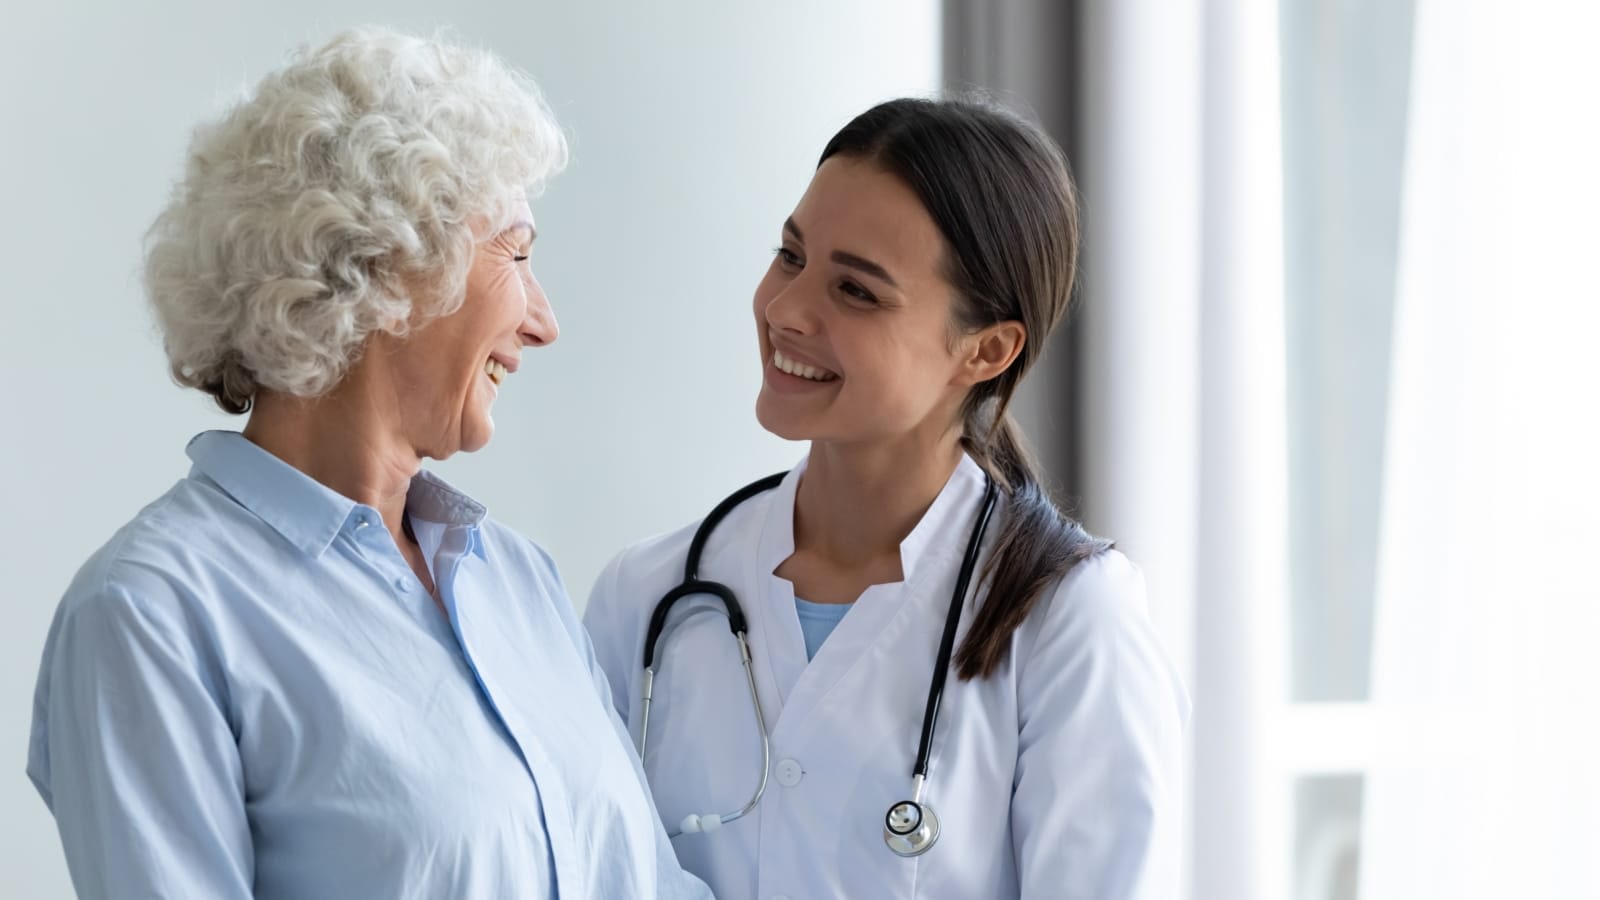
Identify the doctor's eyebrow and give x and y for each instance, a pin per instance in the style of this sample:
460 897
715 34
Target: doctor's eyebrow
843 258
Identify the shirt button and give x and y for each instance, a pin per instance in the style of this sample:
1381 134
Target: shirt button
789 772
400 584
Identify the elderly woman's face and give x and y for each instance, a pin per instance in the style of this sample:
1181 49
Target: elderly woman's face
448 373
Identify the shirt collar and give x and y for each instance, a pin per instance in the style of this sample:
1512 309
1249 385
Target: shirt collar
305 512
431 501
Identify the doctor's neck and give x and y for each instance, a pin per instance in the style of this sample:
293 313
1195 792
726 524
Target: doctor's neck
857 502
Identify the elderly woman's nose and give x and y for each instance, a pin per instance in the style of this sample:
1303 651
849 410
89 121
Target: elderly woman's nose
539 326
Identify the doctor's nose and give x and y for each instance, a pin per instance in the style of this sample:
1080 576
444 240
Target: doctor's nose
789 310
539 326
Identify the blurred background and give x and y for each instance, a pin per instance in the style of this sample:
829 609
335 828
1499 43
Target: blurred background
1332 382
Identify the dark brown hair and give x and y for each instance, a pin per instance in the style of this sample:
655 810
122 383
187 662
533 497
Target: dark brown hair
1000 192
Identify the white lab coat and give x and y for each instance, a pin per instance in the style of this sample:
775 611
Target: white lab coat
1058 777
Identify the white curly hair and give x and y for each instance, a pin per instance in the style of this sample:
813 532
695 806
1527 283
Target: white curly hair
343 197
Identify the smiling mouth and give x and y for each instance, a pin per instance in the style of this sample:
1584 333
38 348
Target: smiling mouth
800 370
496 372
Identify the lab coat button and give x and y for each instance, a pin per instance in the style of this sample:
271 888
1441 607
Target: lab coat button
789 774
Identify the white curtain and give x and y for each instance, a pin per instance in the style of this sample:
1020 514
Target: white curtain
1139 169
1486 678
1184 450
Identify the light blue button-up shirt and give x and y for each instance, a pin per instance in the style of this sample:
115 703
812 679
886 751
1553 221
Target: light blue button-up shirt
247 692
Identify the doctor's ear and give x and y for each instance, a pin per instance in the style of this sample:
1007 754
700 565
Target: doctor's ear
990 351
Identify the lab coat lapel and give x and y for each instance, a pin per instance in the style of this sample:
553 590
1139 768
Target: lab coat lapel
777 636
907 615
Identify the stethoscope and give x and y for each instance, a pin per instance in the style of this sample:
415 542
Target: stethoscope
910 827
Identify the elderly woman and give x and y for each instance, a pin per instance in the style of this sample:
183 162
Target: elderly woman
311 668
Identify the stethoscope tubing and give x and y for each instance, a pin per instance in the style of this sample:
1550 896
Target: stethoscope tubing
738 625
947 640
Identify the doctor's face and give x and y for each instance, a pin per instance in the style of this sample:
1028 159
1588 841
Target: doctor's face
447 373
854 315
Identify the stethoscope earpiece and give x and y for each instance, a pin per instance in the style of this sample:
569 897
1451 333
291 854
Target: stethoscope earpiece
910 828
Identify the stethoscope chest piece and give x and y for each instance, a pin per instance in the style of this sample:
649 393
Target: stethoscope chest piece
910 828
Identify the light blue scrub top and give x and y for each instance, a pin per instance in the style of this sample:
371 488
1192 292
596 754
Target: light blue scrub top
817 621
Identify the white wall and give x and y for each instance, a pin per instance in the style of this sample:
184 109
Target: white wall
694 128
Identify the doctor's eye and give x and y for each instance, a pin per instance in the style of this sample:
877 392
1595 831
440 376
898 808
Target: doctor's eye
851 289
788 258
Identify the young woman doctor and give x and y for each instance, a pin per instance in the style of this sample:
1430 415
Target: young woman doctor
820 751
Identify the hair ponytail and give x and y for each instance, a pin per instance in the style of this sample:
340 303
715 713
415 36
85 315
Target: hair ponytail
1038 544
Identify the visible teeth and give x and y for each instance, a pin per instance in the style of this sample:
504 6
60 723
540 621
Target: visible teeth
495 371
800 370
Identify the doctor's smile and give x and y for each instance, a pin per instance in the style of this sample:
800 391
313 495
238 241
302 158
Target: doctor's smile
793 367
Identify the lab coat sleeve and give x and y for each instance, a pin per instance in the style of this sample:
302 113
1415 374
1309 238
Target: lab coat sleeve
1096 807
133 753
614 641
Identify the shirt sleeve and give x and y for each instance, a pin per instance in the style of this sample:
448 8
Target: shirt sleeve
672 881
133 754
1096 810
614 645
